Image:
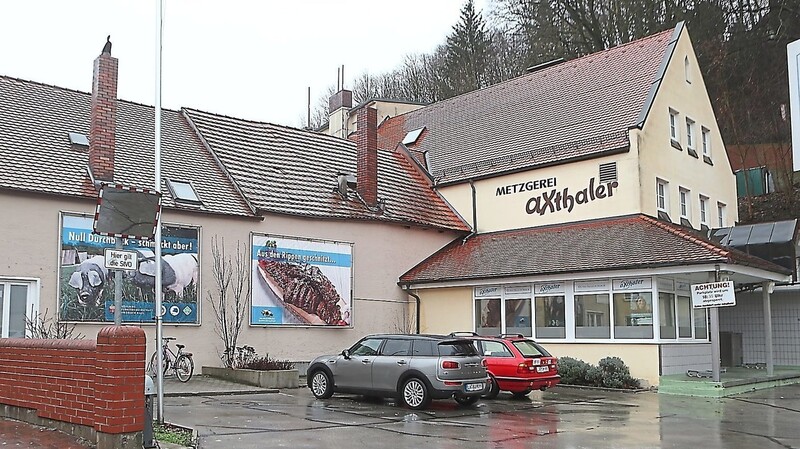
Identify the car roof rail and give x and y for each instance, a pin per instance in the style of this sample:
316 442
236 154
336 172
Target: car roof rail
463 334
510 335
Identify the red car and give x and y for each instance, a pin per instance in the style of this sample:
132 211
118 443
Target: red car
515 363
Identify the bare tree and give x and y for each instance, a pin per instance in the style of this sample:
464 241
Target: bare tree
43 327
231 295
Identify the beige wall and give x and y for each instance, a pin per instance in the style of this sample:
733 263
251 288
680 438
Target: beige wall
385 109
381 253
510 210
446 310
642 359
660 160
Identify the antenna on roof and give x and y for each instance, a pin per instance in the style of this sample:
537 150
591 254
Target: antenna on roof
544 65
342 76
308 109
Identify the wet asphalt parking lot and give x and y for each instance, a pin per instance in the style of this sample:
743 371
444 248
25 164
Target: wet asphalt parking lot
558 418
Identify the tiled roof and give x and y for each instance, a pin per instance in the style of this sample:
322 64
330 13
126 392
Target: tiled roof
572 110
37 156
621 243
290 171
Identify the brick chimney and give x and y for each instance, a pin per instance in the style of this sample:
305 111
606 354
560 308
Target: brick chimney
367 163
102 134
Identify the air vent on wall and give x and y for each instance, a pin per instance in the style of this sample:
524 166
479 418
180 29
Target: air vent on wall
608 172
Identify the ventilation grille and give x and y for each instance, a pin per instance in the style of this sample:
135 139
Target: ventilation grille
608 172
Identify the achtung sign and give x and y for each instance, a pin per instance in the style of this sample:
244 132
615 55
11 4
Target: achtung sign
714 294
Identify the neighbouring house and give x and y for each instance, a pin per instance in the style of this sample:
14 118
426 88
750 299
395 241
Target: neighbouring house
324 226
591 185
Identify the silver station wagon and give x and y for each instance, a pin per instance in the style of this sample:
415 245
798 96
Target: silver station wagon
412 368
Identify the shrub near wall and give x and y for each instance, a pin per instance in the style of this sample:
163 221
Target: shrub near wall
95 387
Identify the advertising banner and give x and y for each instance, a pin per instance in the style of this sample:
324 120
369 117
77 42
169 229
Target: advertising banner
301 282
86 285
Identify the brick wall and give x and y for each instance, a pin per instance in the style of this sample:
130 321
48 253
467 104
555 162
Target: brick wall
99 384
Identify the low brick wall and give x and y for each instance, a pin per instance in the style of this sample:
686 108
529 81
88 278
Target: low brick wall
93 389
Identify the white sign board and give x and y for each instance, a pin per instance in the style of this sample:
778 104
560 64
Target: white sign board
121 260
714 294
793 52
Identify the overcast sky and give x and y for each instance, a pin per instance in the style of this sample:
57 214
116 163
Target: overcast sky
249 59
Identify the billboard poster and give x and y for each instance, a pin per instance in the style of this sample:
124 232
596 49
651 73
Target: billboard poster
86 286
301 282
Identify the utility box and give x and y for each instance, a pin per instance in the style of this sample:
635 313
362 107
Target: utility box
149 399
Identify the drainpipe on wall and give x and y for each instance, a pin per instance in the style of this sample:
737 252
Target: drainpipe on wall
416 297
474 214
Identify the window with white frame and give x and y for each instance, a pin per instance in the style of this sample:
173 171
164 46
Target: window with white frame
662 195
721 214
673 125
17 300
706 136
703 210
689 133
686 205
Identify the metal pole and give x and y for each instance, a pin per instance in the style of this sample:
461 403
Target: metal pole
157 249
118 288
766 287
714 311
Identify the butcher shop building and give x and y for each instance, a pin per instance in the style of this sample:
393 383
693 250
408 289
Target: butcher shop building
571 204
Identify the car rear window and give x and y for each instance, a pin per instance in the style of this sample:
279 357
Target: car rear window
530 349
462 348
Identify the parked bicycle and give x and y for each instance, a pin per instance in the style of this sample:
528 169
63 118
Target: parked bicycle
180 362
241 356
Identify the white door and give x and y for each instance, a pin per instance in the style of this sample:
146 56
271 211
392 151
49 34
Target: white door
18 304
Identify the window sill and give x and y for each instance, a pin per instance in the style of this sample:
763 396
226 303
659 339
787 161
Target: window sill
675 144
692 153
707 160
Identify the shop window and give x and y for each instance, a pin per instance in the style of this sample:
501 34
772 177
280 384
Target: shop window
666 309
700 324
684 317
592 316
633 315
487 315
518 317
550 313
16 298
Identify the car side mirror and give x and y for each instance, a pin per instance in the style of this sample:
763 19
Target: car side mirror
346 354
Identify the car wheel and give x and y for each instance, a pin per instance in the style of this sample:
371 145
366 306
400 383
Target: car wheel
520 394
466 401
415 394
321 385
494 389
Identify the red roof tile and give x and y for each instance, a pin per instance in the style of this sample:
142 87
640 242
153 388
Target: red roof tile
576 109
291 171
619 243
38 156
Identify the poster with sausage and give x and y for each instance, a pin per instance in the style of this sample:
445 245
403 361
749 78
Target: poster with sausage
301 282
86 286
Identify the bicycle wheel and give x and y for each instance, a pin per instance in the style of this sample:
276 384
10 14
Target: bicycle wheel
184 368
151 367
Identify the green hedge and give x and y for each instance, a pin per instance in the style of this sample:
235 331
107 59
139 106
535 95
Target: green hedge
611 372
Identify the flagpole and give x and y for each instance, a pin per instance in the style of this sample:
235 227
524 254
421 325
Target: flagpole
157 249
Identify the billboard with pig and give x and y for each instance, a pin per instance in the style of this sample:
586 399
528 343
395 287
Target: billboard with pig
86 287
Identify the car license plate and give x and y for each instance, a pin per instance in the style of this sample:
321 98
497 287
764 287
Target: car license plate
474 387
542 369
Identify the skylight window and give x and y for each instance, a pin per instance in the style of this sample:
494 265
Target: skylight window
78 139
183 192
412 136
